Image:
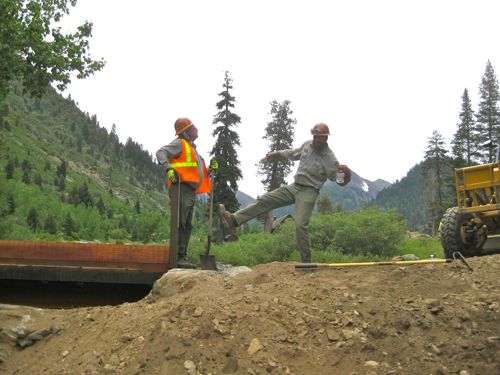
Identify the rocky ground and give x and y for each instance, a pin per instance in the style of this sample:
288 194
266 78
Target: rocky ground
274 319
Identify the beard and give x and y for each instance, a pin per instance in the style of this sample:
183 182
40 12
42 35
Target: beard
319 146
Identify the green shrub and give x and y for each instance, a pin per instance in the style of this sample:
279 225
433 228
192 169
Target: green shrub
368 235
369 231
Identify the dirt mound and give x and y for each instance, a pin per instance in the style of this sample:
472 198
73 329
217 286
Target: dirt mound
395 319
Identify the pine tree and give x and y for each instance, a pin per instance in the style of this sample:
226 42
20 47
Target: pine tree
60 179
26 177
84 195
325 204
101 207
69 225
11 204
224 150
9 170
50 224
137 207
436 173
38 179
32 219
464 144
279 133
26 168
488 114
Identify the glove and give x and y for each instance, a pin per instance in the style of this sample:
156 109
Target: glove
214 165
172 176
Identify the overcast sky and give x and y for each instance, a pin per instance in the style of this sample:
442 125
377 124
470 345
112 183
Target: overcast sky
382 74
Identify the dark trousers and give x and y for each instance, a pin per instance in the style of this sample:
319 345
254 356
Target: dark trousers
186 208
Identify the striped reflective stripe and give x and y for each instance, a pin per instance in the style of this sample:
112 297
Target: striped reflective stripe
184 164
188 162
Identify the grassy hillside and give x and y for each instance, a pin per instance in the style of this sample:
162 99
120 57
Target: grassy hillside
64 177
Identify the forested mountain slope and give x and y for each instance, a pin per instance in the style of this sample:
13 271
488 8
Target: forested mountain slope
63 176
406 197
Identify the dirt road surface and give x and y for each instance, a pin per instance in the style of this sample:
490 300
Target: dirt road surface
397 319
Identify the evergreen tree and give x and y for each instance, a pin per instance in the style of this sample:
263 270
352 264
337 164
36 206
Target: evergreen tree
224 150
60 179
436 173
325 204
69 226
38 179
32 219
26 168
279 134
488 114
101 207
50 224
26 177
9 170
84 195
11 204
62 169
137 207
73 196
464 144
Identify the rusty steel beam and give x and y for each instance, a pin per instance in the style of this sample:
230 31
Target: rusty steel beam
82 262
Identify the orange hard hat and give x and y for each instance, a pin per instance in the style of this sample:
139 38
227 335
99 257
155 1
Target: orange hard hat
181 124
320 129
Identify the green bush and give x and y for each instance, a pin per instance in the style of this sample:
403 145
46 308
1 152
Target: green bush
370 231
368 235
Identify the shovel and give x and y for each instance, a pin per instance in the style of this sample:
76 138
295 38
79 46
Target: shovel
207 261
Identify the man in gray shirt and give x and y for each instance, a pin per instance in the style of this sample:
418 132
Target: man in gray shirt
317 164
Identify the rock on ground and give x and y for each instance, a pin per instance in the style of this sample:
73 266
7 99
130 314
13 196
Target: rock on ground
413 319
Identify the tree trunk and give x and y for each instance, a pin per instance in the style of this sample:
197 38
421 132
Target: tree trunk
268 223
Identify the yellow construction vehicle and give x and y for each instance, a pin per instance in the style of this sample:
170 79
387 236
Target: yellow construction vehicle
466 228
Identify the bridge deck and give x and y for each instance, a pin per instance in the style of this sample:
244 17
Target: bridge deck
82 262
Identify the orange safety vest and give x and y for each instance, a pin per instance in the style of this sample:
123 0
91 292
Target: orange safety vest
186 166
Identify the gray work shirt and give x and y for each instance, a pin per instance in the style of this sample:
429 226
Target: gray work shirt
315 167
174 150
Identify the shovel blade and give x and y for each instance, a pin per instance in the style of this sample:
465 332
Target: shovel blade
207 262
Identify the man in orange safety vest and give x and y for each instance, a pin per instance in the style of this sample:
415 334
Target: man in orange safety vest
182 163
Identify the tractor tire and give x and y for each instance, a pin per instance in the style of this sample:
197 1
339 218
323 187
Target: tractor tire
450 234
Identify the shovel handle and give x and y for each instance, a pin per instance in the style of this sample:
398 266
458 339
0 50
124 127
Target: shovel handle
210 212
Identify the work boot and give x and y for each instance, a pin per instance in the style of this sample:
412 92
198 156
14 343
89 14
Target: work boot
227 218
183 263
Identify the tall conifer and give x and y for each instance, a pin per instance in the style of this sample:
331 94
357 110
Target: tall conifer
464 142
488 114
279 134
224 150
435 171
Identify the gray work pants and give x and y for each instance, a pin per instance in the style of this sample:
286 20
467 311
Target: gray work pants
186 208
304 198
